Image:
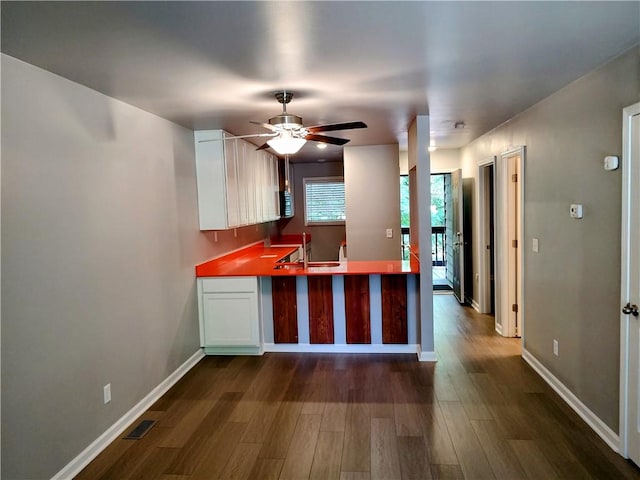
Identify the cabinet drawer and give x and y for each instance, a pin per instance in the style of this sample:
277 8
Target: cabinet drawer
229 284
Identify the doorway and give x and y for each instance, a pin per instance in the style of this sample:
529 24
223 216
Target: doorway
486 222
509 220
630 288
441 229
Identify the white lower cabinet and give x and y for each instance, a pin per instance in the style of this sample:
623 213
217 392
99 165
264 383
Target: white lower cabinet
229 315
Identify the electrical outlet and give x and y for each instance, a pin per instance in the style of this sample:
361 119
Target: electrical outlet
107 393
555 347
389 232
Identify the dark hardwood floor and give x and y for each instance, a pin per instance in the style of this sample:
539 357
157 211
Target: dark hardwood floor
478 413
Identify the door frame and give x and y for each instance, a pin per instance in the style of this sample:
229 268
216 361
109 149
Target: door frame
484 284
458 233
625 280
504 325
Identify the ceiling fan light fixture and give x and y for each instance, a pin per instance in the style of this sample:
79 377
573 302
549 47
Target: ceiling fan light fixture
286 145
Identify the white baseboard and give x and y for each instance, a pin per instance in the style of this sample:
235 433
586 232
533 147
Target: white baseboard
610 437
427 356
88 454
474 304
339 348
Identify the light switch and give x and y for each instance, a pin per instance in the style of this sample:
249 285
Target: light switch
389 232
575 210
535 245
611 162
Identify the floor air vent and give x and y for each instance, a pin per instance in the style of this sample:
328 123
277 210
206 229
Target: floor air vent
143 427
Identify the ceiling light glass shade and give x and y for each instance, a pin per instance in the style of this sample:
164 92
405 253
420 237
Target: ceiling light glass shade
286 145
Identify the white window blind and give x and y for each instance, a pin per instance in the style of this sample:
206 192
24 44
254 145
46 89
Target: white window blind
324 201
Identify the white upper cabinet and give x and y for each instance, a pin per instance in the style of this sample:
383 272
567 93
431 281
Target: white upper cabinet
237 185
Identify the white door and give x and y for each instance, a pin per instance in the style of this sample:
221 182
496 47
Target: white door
630 320
458 235
509 197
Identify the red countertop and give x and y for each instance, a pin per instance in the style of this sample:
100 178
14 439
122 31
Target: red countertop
259 261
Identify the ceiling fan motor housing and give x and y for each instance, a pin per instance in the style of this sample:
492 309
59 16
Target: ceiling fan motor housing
286 121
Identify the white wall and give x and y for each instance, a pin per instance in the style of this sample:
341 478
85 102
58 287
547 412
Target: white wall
572 286
99 243
445 160
372 195
419 158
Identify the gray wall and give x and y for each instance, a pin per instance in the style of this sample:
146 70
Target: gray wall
99 243
372 194
325 240
572 286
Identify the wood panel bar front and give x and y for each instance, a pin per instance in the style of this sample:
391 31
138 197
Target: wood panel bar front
394 309
357 308
285 309
320 309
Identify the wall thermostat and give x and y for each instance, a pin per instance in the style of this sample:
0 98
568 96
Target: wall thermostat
575 211
610 162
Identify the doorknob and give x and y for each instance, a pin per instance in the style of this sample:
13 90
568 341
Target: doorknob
630 309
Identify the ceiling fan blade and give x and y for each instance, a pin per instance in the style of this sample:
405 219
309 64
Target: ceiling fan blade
263 146
239 136
325 139
336 126
268 126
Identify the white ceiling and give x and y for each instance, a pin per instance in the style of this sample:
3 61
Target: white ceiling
216 64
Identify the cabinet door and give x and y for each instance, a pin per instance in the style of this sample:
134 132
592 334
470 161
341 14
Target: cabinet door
259 171
230 319
210 178
249 180
241 163
275 188
232 183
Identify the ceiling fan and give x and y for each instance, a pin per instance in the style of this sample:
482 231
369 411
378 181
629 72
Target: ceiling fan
289 135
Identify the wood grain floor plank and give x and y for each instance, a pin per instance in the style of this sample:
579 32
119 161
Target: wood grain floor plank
532 460
241 463
355 476
154 465
436 436
299 458
356 455
197 448
385 462
219 452
135 457
414 460
334 417
277 441
328 456
192 416
447 472
472 459
267 469
473 403
499 453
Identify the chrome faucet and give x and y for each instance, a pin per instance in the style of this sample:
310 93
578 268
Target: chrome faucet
304 250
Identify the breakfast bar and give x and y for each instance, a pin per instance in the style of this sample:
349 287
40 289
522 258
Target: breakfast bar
255 300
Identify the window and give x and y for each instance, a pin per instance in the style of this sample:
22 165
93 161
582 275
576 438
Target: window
324 201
